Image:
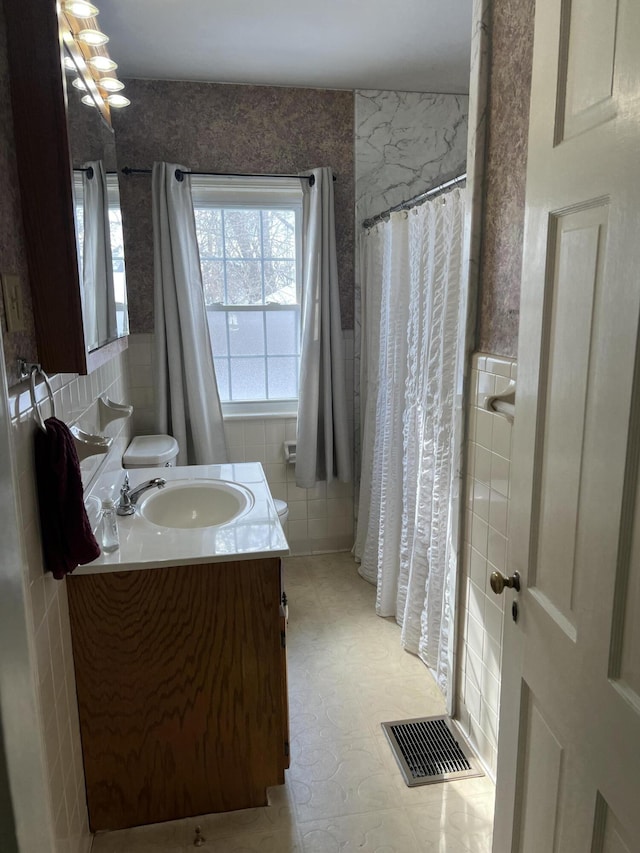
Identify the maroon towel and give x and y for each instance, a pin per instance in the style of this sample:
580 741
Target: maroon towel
67 540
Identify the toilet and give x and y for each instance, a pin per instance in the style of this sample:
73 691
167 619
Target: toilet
151 451
282 508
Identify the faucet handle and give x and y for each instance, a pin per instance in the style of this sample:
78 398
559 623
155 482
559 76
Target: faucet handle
125 506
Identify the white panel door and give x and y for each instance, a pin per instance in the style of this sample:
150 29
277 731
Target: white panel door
569 749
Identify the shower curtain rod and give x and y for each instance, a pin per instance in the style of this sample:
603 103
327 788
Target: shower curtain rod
180 174
415 201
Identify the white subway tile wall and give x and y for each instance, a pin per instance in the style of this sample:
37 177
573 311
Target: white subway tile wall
488 455
320 519
140 364
75 398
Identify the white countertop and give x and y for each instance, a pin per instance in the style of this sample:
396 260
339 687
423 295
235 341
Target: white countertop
143 545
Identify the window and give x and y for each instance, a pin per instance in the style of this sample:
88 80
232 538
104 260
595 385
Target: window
249 241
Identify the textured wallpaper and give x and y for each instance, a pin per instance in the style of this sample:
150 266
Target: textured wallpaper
503 230
406 142
228 128
89 136
12 241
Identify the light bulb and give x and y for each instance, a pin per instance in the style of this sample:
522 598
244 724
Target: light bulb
79 83
88 100
110 84
118 101
80 8
69 64
102 63
92 37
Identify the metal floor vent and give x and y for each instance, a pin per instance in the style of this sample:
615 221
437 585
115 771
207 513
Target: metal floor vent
429 749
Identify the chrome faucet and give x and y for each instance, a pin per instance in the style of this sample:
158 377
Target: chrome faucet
129 497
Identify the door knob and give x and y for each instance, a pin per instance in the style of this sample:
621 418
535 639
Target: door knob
499 582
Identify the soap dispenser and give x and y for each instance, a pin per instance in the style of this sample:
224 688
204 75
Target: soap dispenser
109 539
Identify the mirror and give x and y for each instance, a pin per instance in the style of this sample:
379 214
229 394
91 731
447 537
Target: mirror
97 217
44 158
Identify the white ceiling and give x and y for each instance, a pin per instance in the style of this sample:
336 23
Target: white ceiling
407 45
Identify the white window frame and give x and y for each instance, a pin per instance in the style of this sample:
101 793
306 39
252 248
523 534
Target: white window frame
235 192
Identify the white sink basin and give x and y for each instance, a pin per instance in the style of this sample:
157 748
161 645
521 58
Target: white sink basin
190 504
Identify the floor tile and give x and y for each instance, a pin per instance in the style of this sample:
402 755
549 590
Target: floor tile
455 824
374 832
338 778
389 699
333 714
254 842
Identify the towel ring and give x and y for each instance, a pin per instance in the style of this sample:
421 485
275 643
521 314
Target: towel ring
34 370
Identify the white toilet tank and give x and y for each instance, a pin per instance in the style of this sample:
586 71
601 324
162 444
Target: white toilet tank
150 451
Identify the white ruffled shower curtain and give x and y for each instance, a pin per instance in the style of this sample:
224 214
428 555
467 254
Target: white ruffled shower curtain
412 322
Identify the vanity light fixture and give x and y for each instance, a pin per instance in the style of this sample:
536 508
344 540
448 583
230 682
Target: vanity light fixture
84 42
94 38
110 84
102 63
118 101
80 8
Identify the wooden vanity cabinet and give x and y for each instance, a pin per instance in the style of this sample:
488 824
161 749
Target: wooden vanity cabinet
181 681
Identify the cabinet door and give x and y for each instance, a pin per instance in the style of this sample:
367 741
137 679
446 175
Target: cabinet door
180 689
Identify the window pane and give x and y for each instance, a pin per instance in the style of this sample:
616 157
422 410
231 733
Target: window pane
209 231
242 233
218 332
117 263
79 217
282 332
279 227
248 258
246 332
212 281
248 381
244 283
280 282
222 377
283 382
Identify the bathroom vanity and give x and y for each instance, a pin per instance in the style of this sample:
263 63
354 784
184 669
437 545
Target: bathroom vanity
181 666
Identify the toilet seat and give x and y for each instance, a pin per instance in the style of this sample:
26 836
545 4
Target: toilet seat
282 508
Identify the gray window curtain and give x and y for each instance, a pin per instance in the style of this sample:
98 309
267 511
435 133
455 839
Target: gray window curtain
187 399
98 303
323 447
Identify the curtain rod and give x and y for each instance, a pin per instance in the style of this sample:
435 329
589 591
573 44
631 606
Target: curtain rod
180 174
414 202
89 171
